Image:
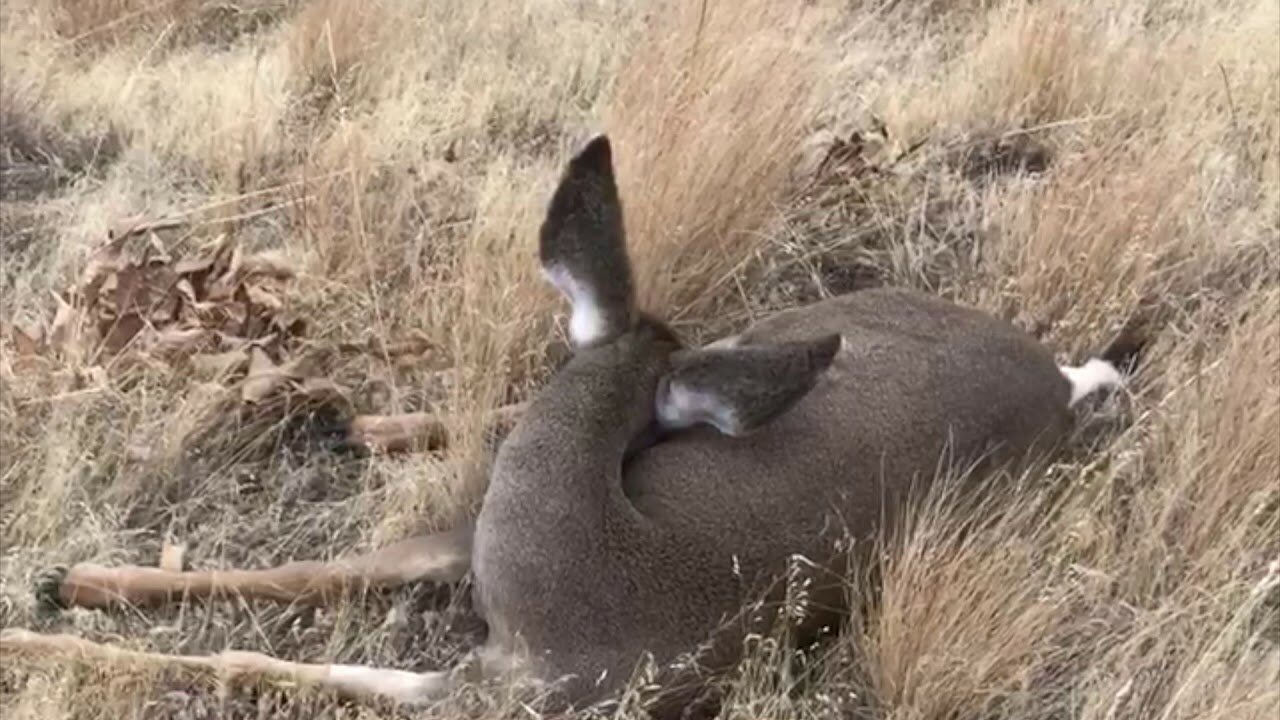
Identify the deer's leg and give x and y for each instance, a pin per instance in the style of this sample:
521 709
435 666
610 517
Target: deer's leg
443 557
352 681
409 431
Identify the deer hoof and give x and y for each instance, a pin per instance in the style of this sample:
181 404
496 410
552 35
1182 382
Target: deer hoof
48 590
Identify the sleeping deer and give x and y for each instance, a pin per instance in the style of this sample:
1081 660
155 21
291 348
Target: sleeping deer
647 500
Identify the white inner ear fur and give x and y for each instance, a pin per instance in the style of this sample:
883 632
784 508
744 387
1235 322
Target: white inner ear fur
681 407
1087 379
587 323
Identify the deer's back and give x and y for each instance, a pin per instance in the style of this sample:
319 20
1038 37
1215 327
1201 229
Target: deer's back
920 380
919 377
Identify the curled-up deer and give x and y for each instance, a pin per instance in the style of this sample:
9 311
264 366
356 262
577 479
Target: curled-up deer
652 491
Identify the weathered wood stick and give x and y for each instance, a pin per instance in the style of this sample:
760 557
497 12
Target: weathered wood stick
416 431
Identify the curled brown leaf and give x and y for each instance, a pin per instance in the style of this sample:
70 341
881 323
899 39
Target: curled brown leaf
265 376
62 329
218 367
182 341
269 263
26 339
118 332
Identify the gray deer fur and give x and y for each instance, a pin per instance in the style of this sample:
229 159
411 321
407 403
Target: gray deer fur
811 423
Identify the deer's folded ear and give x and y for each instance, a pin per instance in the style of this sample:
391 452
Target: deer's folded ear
740 389
583 248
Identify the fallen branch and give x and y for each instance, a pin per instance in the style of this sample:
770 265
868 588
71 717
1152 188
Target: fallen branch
417 431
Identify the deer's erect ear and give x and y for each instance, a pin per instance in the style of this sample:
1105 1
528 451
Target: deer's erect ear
737 390
583 247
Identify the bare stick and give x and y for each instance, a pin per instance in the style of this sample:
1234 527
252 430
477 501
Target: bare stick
400 433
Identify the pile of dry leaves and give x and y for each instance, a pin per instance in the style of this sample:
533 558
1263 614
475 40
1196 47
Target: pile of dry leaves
217 313
214 314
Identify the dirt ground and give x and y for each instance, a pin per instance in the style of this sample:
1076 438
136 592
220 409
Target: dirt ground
356 188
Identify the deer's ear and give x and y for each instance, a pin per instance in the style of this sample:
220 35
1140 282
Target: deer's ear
583 247
737 390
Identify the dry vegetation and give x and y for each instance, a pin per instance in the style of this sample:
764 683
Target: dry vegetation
1056 163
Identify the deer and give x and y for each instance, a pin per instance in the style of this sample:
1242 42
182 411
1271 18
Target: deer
649 496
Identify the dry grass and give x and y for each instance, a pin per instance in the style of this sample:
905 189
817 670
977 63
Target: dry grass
1129 596
400 155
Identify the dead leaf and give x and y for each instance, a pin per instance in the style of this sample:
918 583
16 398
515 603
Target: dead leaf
117 332
263 298
129 281
222 251
220 290
291 326
223 278
271 263
193 265
230 318
216 367
231 342
186 290
218 309
167 311
202 312
234 263
160 302
26 340
188 341
106 261
265 376
155 253
60 330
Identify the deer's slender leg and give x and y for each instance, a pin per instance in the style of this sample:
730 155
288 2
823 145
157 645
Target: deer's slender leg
353 681
443 557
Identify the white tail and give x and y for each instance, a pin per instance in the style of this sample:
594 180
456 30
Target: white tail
1094 375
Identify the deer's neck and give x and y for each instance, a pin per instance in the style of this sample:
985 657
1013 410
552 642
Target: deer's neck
566 453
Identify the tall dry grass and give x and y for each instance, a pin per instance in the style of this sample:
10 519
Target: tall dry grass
1129 595
711 110
400 154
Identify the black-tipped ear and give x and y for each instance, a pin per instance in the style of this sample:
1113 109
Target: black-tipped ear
740 389
583 248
